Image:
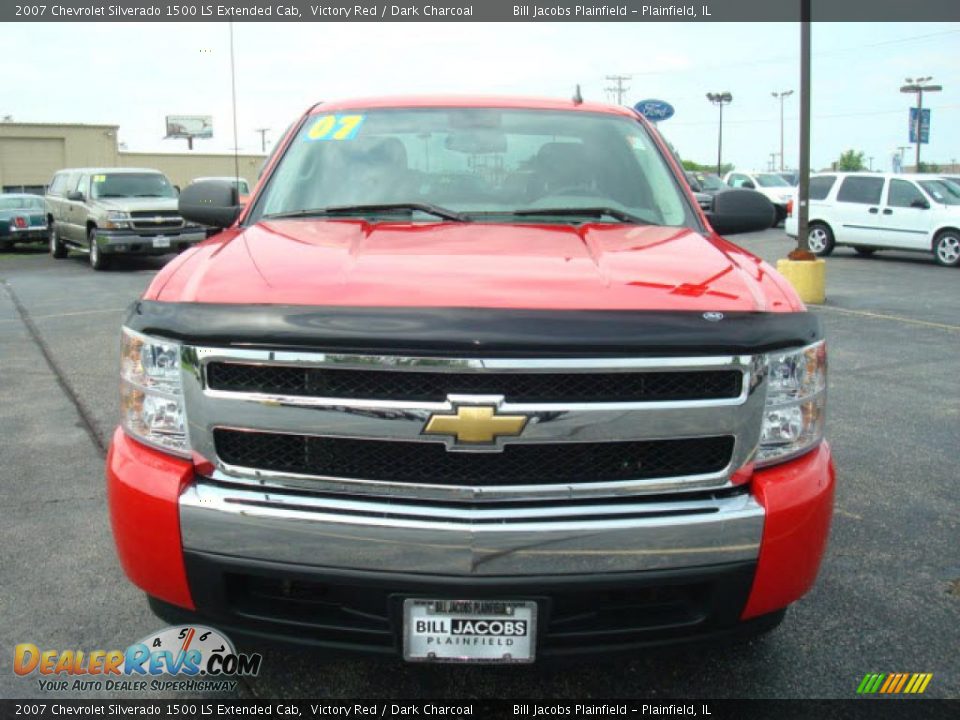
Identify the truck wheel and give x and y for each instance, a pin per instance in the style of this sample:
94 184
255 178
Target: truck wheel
864 251
820 239
946 248
57 248
97 259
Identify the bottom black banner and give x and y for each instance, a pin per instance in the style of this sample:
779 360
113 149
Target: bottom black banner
868 709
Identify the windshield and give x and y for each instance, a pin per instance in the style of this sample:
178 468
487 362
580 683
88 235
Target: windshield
710 182
942 191
771 180
124 185
21 203
475 162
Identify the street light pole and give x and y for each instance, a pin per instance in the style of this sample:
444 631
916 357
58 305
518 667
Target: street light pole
917 87
781 96
720 99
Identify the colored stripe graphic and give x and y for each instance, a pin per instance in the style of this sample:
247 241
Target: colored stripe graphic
894 683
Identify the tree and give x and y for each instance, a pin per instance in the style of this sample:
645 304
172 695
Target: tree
692 166
851 160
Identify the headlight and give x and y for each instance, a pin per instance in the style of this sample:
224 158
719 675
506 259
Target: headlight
795 410
151 392
117 219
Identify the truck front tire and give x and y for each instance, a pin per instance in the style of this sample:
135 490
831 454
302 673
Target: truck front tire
57 248
97 259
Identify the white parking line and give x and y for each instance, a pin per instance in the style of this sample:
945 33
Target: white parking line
880 316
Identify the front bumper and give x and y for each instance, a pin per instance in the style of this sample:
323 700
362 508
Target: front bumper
152 242
326 575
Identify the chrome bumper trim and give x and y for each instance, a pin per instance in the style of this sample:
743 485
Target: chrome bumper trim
392 536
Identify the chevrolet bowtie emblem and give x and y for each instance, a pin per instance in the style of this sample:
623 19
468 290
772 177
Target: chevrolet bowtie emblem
476 425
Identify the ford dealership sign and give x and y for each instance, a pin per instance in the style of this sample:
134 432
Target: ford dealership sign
654 110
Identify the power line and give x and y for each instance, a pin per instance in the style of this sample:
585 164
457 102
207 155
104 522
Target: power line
792 58
757 121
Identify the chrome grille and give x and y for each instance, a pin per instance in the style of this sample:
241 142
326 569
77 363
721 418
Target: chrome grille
514 387
429 462
354 424
156 220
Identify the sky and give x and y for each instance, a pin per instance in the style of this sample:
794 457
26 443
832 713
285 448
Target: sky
134 74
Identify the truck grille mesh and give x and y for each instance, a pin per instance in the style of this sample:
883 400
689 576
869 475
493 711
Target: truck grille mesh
435 386
430 462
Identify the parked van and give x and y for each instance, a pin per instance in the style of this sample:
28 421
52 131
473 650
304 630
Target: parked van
883 211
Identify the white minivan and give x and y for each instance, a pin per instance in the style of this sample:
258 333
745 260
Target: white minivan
882 211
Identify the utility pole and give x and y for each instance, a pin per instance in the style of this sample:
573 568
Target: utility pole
720 99
803 192
619 89
917 87
781 96
870 166
773 162
263 138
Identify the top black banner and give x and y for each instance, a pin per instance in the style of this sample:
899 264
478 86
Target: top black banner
483 11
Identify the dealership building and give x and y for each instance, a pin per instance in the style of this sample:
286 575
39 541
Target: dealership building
31 152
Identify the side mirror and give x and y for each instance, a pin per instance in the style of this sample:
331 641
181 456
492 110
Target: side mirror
739 211
75 195
210 202
920 203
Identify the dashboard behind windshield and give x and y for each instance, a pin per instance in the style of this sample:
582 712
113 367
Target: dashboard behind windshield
481 162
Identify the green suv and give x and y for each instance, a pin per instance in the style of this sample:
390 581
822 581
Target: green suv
112 212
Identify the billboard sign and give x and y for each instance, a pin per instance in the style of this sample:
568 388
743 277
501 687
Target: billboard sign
654 110
924 126
189 126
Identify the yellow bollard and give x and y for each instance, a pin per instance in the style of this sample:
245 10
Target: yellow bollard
808 277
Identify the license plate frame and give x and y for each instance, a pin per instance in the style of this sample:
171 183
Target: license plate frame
161 241
433 646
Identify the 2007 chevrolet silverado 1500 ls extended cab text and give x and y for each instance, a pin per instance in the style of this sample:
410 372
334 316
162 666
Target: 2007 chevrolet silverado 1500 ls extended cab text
472 380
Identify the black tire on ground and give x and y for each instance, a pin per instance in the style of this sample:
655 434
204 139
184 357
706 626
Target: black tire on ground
946 248
5 245
98 261
57 248
864 251
820 239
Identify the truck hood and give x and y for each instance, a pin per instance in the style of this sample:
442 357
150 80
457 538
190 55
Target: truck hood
545 266
137 204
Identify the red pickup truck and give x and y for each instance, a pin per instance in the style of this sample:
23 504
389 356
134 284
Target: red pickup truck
472 380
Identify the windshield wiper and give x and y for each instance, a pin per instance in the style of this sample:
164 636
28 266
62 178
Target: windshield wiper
427 208
621 215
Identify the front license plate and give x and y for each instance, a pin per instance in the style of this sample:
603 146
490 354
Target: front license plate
469 631
161 242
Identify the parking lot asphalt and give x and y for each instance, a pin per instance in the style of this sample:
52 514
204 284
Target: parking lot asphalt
888 596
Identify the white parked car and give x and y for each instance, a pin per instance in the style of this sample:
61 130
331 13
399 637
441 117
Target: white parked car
877 211
772 184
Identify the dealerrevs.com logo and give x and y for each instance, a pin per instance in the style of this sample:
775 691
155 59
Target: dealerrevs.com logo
188 651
